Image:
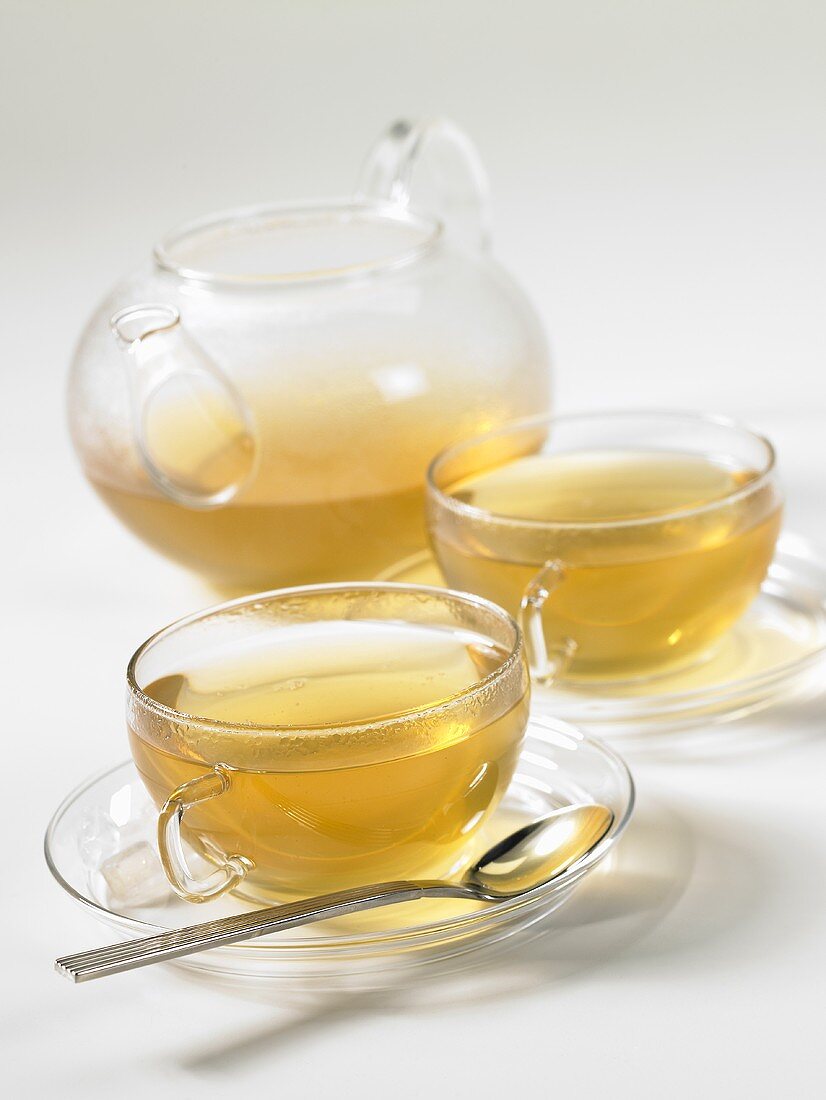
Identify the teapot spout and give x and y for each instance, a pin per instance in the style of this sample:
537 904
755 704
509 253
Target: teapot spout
193 431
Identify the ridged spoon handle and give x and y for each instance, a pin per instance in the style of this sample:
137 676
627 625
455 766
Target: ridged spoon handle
118 957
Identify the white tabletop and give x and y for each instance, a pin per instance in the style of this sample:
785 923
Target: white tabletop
658 174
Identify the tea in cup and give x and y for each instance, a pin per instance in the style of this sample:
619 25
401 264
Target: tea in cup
628 542
323 737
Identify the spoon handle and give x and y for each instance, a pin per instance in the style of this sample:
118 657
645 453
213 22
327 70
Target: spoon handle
118 957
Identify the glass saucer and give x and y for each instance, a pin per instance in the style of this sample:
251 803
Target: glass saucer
100 847
775 653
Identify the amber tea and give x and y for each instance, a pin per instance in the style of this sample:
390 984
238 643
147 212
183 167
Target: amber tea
357 750
300 521
654 552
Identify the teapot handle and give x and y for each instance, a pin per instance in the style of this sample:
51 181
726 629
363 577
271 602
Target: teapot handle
431 166
193 431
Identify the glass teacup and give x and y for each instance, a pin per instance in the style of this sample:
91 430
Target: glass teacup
316 738
628 542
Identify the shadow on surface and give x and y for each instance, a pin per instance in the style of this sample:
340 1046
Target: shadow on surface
774 729
607 924
614 909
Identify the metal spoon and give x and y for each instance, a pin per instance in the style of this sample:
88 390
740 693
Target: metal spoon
529 857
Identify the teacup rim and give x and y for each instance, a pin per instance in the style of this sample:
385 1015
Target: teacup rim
447 500
516 653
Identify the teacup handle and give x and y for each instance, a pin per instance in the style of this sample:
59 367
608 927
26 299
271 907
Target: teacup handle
171 847
432 166
546 664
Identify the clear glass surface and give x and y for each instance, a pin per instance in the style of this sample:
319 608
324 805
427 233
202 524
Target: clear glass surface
100 847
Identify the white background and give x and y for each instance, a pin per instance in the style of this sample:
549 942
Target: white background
658 173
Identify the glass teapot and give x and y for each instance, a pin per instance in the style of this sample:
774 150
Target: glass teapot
261 401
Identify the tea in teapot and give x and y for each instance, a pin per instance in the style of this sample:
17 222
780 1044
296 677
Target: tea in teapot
290 523
260 403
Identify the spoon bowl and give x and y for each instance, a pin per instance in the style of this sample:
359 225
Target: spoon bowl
539 851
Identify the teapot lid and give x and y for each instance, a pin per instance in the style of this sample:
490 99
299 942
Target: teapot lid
429 164
285 243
